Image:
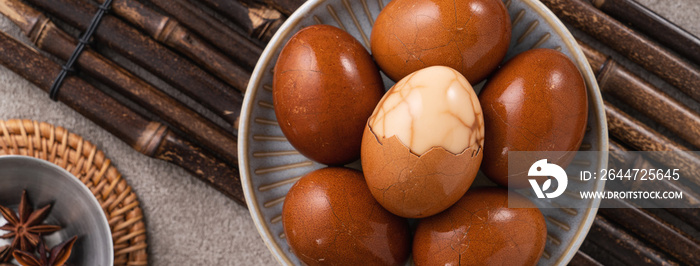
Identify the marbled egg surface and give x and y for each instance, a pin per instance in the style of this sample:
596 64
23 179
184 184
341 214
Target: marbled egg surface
536 102
330 218
471 36
325 86
480 229
422 145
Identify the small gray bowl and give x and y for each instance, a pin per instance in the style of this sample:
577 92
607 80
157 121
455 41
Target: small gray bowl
75 209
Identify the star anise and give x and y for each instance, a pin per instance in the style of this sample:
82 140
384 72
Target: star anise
26 227
57 256
5 254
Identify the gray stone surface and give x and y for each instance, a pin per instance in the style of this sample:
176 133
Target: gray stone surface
188 222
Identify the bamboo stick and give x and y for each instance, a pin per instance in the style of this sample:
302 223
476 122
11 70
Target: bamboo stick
621 158
682 208
637 48
223 100
169 32
657 27
654 230
258 21
687 251
643 138
644 97
230 42
287 7
686 218
148 137
598 253
50 38
624 246
583 259
636 134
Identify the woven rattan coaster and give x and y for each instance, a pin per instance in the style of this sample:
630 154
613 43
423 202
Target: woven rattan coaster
87 163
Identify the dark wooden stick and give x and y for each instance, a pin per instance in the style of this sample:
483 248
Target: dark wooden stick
657 27
230 42
169 31
258 21
287 7
621 158
686 218
582 259
643 138
50 38
159 60
598 253
643 96
663 233
636 134
637 48
653 230
148 137
624 246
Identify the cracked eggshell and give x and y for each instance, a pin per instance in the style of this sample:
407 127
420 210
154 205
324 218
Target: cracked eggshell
421 147
536 102
331 218
471 36
325 86
480 229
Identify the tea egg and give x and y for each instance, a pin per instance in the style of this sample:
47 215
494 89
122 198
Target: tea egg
471 36
325 86
536 102
422 146
480 229
331 218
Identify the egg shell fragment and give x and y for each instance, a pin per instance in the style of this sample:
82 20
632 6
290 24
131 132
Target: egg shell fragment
415 186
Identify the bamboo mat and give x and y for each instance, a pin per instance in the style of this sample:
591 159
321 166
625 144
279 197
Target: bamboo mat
188 222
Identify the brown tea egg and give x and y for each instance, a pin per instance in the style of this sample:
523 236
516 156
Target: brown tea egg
422 145
471 36
536 102
325 86
330 218
480 229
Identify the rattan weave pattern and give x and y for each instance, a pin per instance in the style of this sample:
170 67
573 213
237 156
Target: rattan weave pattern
83 159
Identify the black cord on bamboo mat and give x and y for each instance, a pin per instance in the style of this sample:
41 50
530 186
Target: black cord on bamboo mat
84 40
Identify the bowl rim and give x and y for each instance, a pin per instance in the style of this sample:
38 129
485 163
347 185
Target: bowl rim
276 41
63 173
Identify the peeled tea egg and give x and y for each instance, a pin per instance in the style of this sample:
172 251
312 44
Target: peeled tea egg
330 218
471 36
421 147
325 86
480 229
536 102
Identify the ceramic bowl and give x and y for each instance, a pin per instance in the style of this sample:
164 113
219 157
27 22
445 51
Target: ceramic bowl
74 207
269 165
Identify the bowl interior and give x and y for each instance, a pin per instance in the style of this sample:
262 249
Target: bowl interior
75 209
269 165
